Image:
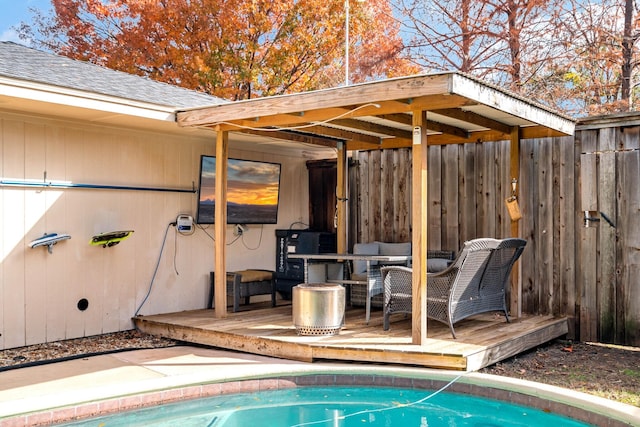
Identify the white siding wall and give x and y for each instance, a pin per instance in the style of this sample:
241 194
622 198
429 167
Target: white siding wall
39 291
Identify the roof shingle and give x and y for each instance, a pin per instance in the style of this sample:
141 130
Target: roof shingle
25 63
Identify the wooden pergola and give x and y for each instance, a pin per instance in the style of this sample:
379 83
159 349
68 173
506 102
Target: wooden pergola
415 111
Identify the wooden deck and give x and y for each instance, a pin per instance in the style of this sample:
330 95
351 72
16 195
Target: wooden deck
482 340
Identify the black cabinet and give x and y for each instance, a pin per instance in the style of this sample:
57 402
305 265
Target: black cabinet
290 272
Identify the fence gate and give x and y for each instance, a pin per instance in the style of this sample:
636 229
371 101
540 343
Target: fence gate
608 251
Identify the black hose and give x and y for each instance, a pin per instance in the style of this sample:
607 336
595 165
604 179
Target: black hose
78 356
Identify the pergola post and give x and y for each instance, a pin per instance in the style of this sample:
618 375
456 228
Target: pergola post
419 228
220 259
341 197
515 306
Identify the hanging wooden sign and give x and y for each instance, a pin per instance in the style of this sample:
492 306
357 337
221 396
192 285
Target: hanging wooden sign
513 208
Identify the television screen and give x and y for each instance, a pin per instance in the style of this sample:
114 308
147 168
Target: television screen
253 190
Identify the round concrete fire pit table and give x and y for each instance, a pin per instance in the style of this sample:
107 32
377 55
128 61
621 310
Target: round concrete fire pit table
318 308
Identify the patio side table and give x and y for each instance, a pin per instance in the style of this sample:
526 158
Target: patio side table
318 308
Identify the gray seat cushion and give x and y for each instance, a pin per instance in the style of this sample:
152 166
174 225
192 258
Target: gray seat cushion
435 265
364 249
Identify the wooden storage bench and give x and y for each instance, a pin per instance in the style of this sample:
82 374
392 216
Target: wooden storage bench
245 284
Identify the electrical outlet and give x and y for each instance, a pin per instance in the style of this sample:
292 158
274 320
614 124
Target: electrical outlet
239 229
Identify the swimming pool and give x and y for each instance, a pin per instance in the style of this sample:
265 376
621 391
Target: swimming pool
338 406
188 375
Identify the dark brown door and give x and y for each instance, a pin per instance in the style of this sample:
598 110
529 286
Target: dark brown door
322 195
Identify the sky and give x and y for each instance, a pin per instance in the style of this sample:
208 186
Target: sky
13 12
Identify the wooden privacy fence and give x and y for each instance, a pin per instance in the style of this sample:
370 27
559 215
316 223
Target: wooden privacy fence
590 274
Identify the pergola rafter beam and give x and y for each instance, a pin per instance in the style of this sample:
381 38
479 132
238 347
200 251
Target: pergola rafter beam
347 135
405 119
372 127
476 119
294 137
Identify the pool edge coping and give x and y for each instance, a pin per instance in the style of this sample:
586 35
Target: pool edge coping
546 397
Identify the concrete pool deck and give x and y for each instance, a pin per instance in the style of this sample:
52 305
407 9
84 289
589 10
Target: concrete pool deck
41 395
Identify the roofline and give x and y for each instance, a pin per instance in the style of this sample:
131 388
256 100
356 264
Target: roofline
41 92
512 94
316 92
398 79
509 102
437 84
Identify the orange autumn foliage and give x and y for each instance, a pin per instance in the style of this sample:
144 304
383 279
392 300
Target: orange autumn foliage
235 49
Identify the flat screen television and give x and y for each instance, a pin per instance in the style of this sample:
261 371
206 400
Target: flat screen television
253 191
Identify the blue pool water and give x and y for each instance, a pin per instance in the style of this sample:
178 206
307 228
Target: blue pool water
337 407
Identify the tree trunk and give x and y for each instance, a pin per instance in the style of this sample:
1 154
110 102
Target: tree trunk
627 52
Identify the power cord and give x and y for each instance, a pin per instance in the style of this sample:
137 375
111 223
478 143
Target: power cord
204 229
259 240
304 224
155 271
175 249
235 239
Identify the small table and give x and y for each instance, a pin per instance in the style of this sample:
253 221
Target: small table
340 258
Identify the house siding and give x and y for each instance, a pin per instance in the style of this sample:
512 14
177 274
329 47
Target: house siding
39 291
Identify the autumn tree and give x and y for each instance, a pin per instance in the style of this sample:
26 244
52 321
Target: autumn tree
597 75
379 50
579 56
527 37
629 39
502 40
449 34
234 49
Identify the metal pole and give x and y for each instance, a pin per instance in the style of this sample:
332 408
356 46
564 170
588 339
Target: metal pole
346 45
63 184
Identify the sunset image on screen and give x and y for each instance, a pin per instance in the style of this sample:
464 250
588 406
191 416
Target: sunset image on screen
252 183
252 191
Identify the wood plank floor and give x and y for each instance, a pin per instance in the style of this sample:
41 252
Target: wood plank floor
482 340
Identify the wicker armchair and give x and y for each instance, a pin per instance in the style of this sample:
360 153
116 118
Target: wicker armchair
396 282
474 283
366 282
